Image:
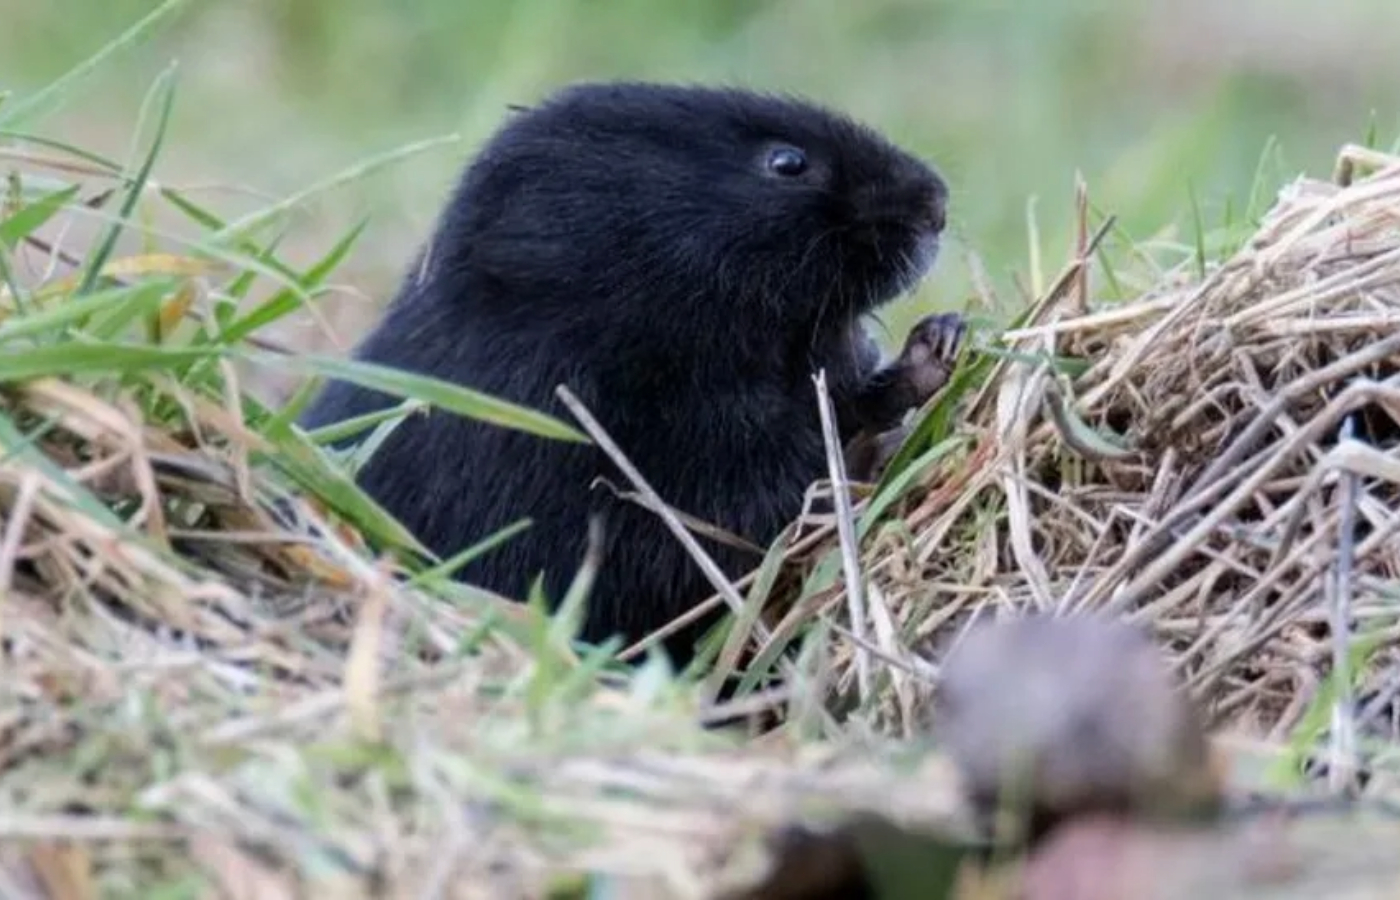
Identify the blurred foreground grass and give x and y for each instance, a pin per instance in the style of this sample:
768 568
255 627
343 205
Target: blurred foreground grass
1164 107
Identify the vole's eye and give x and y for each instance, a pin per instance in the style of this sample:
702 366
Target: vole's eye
787 161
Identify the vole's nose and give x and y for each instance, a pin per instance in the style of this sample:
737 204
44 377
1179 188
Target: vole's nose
909 196
938 205
938 213
921 196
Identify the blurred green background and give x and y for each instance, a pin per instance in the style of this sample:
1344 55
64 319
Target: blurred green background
1151 101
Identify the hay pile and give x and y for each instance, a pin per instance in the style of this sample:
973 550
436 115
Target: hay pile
1224 467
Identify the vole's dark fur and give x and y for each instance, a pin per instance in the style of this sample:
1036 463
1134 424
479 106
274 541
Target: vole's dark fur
640 244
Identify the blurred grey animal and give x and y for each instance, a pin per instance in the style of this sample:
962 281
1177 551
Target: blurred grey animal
1070 715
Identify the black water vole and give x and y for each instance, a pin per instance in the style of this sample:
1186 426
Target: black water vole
683 259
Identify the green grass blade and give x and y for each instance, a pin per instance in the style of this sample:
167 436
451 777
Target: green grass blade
900 483
444 570
11 284
210 222
309 468
241 227
142 301
444 394
347 428
164 90
30 218
113 167
70 358
22 113
1198 229
58 317
288 301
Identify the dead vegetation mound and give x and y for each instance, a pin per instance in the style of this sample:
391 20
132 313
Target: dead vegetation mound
1224 466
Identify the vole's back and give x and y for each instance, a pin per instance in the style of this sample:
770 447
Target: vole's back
740 459
683 259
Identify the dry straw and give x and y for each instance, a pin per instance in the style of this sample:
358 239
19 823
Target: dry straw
1196 475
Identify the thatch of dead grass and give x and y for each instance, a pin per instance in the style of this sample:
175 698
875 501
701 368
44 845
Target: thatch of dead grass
1224 466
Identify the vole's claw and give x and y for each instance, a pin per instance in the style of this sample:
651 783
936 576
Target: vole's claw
940 334
929 353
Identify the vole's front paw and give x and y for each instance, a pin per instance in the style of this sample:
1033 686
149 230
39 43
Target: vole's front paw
920 371
929 353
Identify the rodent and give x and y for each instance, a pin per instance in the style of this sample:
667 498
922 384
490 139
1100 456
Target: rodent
684 258
1072 716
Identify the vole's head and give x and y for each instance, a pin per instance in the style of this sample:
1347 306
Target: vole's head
695 202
